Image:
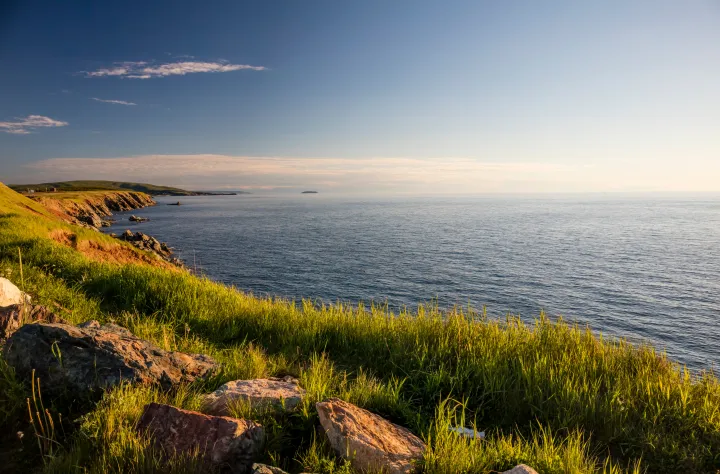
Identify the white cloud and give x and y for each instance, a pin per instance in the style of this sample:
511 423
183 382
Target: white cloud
24 126
145 70
111 101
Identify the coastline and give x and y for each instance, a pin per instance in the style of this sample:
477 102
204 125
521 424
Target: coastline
549 394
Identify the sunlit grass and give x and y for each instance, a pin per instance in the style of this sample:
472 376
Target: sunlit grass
547 393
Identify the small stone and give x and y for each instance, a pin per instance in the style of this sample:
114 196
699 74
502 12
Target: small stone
221 441
368 440
265 469
259 392
467 432
521 469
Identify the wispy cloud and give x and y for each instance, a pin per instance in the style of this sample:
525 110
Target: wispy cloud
24 126
149 70
111 101
342 174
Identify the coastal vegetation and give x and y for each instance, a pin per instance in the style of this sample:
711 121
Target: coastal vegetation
99 185
547 393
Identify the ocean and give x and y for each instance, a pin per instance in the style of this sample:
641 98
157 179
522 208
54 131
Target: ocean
646 269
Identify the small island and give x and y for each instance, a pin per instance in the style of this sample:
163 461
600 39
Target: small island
309 192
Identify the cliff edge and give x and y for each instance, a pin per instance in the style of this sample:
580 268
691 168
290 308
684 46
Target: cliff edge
90 207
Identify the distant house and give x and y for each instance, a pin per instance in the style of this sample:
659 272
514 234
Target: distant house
30 191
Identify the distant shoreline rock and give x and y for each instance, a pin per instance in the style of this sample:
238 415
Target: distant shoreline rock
150 244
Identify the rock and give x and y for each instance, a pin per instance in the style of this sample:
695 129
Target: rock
13 317
222 441
94 356
368 440
521 469
265 469
259 392
90 218
150 244
135 218
11 294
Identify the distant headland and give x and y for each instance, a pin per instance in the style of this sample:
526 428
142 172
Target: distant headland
82 185
309 192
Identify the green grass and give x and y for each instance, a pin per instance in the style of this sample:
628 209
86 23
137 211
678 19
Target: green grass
78 186
549 394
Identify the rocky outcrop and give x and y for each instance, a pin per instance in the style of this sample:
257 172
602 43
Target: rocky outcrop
521 469
150 244
368 440
135 218
13 317
11 294
89 208
224 442
90 356
285 392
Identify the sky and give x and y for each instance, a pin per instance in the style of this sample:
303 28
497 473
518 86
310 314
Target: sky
373 96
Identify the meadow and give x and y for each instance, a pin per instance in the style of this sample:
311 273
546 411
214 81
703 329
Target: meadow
549 394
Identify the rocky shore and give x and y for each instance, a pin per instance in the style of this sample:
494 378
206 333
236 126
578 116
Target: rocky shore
92 208
150 244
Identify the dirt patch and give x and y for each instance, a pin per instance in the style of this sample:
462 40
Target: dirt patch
116 253
64 237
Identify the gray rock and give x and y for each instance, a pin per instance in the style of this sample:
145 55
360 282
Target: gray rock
259 392
221 441
265 469
521 469
89 356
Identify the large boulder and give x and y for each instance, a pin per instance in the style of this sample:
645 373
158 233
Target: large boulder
368 440
92 356
285 392
521 469
11 294
13 317
229 443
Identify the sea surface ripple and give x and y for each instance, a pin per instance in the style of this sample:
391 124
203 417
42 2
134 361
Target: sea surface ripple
644 269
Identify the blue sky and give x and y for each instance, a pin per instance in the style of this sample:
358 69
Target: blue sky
403 96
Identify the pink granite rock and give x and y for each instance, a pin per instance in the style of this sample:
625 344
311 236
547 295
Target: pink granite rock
230 443
368 440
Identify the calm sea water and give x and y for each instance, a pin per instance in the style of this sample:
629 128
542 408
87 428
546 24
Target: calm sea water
638 268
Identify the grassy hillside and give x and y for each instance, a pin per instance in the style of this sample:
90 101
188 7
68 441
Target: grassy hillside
68 186
548 394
